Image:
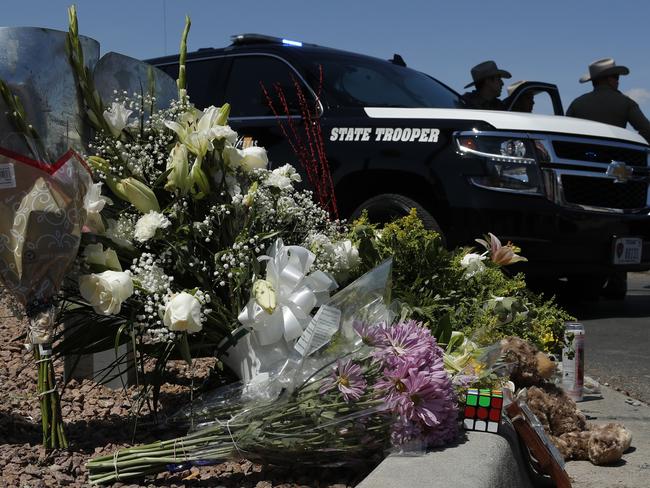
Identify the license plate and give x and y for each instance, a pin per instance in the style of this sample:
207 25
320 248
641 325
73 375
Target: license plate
627 250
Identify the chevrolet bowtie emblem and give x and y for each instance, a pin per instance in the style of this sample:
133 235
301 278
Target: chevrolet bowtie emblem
619 171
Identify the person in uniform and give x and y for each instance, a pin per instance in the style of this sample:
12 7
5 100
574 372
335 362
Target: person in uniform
488 80
608 105
526 100
605 103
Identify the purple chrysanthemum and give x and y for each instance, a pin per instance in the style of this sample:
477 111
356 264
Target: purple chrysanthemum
392 384
348 378
423 397
371 335
403 432
446 431
409 342
415 386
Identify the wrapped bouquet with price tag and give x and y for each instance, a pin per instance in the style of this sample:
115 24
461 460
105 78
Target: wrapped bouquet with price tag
355 384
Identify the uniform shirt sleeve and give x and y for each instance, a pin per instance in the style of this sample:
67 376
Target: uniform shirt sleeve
639 121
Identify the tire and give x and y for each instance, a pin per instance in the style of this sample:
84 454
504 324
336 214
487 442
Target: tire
586 287
616 287
387 207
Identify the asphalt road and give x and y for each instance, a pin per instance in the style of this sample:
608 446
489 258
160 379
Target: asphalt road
617 338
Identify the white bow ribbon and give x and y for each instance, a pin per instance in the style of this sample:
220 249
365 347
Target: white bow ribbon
296 294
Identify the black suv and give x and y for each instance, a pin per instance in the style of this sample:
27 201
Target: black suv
572 193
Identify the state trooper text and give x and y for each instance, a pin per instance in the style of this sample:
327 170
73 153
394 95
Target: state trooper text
384 134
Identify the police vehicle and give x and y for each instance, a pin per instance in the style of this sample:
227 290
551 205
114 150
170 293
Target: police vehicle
572 193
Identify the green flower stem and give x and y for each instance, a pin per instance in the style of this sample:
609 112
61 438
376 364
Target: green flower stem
51 420
39 389
114 469
186 441
181 82
86 84
260 432
82 74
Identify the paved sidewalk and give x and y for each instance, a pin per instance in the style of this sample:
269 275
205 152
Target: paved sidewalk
634 469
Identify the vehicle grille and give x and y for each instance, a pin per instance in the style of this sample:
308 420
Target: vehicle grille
599 154
604 192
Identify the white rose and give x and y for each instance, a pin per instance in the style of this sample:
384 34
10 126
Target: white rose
95 254
250 158
106 291
183 313
254 158
148 224
473 264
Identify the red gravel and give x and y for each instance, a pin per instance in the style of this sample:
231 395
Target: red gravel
98 422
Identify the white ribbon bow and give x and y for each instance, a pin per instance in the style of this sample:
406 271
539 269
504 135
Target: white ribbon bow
296 294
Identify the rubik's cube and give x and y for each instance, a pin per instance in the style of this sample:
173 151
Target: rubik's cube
483 410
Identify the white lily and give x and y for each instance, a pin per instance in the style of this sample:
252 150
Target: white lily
138 194
117 117
179 176
95 254
94 203
198 130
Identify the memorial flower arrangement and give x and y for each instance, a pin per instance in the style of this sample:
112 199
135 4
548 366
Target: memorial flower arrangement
463 289
190 244
181 218
346 402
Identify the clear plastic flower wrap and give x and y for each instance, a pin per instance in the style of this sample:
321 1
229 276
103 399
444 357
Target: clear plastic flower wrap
356 385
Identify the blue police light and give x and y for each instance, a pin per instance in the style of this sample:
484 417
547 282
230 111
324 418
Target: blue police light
291 43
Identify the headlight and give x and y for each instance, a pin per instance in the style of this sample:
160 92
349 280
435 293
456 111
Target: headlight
510 163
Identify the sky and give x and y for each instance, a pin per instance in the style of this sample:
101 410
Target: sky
551 41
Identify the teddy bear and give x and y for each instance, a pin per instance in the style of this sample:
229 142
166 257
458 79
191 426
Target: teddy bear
563 422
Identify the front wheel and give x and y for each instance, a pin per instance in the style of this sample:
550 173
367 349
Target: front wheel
616 287
387 207
586 287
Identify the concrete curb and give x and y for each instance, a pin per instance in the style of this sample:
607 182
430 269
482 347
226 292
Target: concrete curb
488 460
484 460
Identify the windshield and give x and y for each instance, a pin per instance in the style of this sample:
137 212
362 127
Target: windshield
364 82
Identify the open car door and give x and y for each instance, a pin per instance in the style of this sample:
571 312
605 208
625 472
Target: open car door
517 99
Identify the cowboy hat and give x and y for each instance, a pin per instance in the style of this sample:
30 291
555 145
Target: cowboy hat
603 67
486 69
513 86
